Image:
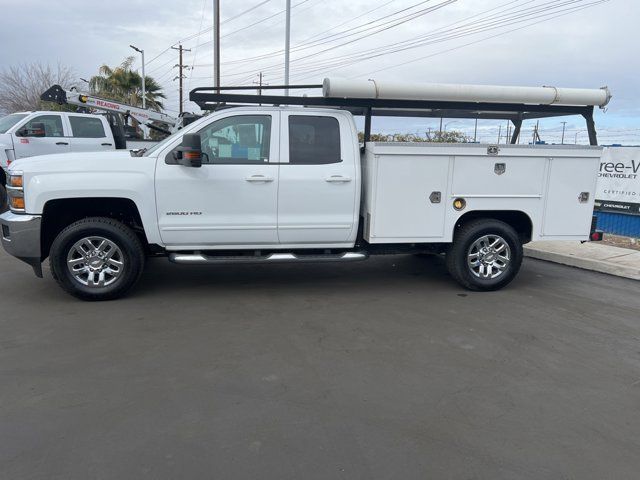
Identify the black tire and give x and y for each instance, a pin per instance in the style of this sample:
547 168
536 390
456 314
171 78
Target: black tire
129 250
465 239
4 200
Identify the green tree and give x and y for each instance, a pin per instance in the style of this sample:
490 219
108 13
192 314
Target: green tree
123 84
452 136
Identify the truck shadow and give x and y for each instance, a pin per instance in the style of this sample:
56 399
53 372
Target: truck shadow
383 272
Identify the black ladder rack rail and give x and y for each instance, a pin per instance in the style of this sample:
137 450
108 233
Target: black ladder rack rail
216 98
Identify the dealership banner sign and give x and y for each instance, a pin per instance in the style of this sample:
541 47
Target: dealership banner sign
618 187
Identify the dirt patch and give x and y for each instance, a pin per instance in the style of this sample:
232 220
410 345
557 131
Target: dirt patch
620 241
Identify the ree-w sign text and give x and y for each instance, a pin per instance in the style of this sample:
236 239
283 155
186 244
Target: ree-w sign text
618 188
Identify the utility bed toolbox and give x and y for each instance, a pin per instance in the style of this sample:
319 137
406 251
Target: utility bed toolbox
409 188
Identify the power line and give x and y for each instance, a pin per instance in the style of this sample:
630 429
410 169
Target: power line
385 26
489 37
490 23
332 64
305 44
195 52
206 30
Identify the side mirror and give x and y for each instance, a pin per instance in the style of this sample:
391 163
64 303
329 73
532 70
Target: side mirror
189 153
36 130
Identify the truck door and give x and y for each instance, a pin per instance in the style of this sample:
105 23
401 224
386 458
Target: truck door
29 141
318 179
88 134
232 199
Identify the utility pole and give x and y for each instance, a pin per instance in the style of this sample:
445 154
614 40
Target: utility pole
440 131
216 45
259 82
507 136
475 131
287 46
144 90
180 76
499 133
536 135
563 125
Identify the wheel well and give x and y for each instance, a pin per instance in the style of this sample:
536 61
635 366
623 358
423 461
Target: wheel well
3 178
519 221
60 213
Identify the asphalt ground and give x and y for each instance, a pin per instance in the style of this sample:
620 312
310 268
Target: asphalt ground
384 369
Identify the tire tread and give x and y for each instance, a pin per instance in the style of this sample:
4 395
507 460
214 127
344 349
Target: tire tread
88 222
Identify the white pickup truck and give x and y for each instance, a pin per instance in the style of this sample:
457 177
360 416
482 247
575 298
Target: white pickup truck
29 134
286 184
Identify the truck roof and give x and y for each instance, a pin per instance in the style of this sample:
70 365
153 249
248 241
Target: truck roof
50 112
285 108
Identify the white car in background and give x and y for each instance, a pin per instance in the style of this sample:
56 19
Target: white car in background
29 134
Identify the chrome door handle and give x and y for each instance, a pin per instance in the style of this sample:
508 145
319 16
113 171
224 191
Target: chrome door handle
259 178
337 179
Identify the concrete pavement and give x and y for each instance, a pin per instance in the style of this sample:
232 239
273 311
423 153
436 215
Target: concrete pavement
384 369
596 256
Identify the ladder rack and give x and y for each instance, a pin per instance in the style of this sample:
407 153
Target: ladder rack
215 98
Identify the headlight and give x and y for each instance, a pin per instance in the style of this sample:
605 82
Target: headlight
15 180
15 192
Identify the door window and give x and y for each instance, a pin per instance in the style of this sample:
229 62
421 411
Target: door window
313 140
86 127
241 139
52 125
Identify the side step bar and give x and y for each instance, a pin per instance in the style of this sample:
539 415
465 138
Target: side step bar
202 259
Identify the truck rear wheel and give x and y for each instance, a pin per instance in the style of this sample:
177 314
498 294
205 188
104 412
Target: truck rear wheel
97 259
486 254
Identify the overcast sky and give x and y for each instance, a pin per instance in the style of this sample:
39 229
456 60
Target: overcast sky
570 43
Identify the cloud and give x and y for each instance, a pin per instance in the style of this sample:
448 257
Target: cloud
587 48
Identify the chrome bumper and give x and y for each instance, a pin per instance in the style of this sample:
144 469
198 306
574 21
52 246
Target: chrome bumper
21 238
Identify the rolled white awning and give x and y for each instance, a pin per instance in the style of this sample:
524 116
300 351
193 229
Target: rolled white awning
384 89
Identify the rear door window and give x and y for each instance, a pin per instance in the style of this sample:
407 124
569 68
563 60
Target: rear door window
86 127
313 140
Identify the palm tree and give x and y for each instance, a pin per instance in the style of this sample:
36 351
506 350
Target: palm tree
123 84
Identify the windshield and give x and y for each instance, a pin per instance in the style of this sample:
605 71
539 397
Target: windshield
161 144
10 120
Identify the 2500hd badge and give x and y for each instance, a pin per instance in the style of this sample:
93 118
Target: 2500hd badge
183 213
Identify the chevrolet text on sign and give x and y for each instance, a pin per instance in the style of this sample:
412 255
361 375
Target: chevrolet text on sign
618 187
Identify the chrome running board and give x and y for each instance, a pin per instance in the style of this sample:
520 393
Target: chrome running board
202 259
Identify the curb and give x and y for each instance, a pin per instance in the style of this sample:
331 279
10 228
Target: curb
584 263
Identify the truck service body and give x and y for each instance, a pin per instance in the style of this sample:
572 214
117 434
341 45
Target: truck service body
284 184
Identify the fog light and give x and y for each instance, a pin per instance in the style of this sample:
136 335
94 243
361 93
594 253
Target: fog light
459 203
16 203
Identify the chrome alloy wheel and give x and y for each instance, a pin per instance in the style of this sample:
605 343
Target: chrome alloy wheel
489 256
95 262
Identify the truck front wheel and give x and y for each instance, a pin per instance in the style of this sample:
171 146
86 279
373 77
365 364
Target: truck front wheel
96 259
3 199
486 254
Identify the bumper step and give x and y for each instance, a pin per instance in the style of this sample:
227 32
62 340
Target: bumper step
202 259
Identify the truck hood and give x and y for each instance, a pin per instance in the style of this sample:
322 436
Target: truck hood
113 161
